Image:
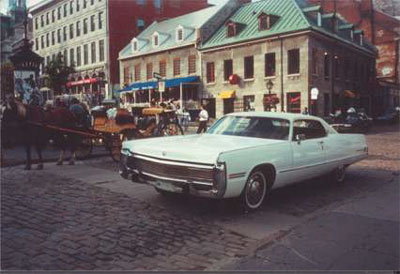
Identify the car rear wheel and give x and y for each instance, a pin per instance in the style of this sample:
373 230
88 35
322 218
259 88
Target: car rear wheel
256 189
339 174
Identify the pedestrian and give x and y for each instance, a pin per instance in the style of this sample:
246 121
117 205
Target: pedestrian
305 111
203 119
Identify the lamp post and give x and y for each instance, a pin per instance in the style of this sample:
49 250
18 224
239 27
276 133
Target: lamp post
269 86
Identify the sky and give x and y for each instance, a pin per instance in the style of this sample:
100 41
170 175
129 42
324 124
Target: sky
4 3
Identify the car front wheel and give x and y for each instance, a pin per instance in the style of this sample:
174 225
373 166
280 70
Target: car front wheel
256 189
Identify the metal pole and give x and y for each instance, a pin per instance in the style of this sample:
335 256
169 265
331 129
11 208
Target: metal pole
149 96
181 92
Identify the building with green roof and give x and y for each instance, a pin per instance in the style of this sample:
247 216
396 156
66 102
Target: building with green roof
270 54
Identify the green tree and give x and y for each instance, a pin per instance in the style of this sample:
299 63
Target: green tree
58 72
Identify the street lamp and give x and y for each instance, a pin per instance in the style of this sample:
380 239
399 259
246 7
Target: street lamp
269 86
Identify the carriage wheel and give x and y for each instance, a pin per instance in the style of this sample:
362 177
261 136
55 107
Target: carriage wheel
84 149
171 129
115 145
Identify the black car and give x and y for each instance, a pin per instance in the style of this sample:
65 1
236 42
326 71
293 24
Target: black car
352 122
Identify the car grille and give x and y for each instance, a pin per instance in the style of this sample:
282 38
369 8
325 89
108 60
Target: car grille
172 171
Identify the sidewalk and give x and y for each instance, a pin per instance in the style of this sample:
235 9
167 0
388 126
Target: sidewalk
360 235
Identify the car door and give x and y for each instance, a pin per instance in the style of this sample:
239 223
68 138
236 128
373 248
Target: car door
308 153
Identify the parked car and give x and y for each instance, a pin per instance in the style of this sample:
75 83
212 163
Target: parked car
243 155
391 116
352 122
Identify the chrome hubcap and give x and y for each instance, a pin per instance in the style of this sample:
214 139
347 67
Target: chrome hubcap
255 190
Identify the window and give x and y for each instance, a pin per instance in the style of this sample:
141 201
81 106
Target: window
137 72
71 57
310 128
65 57
47 18
85 55
53 38
71 31
92 26
65 33
314 60
192 64
248 102
163 68
231 30
179 34
42 21
93 52
149 71
53 16
91 2
59 13
37 44
78 56
177 66
85 26
77 5
270 64
326 104
210 72
65 10
48 40
294 61
101 50
262 22
84 4
336 68
155 40
127 75
157 5
78 28
100 20
228 69
248 67
71 7
42 42
135 46
327 64
59 36
36 23
47 60
294 102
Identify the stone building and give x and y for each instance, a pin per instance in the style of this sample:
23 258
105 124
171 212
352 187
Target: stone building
169 48
281 50
381 27
90 34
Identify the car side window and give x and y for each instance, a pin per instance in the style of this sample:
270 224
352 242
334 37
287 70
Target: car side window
310 128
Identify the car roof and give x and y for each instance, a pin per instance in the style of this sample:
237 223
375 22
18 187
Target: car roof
279 115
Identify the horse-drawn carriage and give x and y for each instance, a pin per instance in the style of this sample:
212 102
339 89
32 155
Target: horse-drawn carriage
106 130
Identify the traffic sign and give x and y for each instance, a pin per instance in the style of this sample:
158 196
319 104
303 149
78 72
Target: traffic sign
314 93
161 86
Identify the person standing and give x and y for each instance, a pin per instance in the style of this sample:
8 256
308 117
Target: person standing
203 119
305 111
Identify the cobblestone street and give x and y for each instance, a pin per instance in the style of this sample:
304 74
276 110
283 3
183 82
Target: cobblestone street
70 218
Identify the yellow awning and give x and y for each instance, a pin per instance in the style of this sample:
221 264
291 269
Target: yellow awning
227 94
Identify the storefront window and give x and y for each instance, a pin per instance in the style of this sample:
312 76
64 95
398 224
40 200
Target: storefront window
249 103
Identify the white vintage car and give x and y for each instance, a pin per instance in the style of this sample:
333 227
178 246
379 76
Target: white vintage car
243 155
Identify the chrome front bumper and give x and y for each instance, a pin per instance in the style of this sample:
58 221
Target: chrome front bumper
213 187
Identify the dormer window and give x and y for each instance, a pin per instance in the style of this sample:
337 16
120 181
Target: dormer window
231 29
266 21
155 40
134 46
179 34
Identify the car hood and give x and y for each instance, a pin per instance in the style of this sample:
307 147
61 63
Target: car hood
203 148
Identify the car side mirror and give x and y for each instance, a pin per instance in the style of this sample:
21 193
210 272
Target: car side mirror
300 137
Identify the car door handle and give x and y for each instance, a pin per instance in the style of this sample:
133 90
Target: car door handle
321 142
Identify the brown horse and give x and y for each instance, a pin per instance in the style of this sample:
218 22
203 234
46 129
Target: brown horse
26 125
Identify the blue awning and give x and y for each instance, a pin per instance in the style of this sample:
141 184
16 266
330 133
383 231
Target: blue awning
175 82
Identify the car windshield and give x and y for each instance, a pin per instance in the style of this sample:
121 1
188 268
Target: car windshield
257 127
